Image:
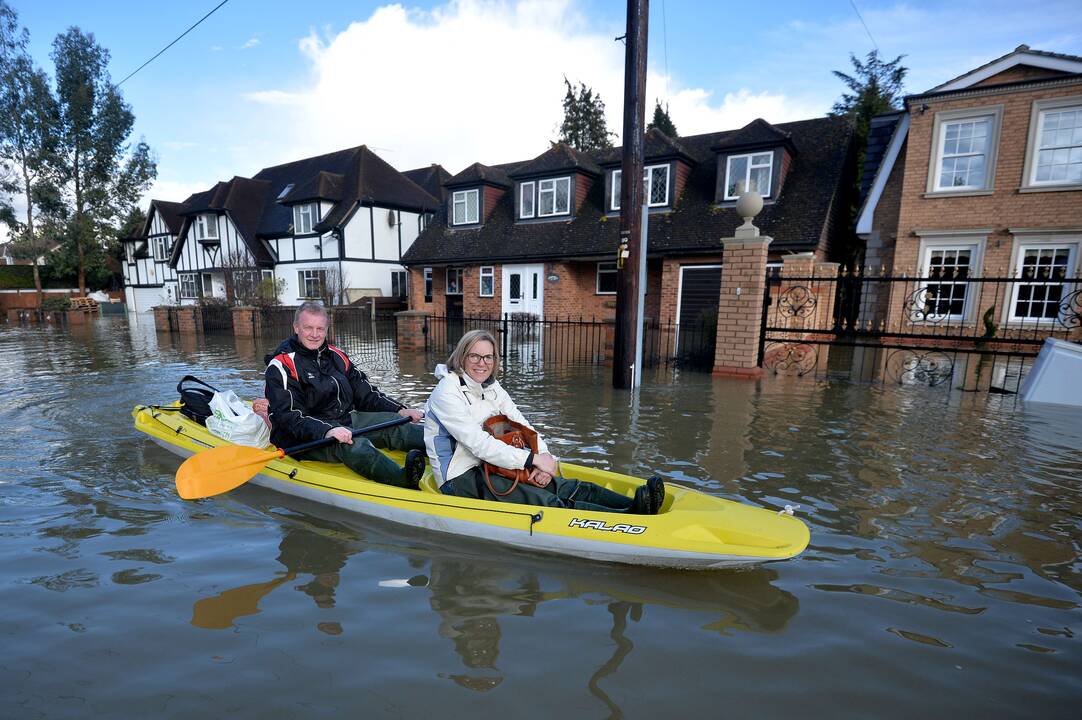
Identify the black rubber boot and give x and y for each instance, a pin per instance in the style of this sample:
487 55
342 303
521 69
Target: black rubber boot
415 468
656 487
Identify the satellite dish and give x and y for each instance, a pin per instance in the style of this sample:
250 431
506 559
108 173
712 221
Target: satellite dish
391 220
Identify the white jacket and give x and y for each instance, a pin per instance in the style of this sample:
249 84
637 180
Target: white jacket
454 437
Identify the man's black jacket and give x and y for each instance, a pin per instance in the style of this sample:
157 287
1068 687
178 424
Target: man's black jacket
312 391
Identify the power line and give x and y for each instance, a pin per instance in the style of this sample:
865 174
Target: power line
223 2
865 25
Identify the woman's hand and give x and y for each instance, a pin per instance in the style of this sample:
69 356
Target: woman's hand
539 478
545 463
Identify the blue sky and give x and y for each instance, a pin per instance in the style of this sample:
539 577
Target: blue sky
266 81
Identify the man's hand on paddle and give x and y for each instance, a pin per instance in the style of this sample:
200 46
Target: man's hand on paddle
341 434
415 416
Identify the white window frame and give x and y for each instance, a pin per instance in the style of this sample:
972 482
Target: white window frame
188 286
486 272
746 180
447 288
648 185
939 135
402 278
204 223
427 274
975 243
549 186
522 195
606 268
1048 242
161 248
305 217
1036 127
208 284
460 196
319 275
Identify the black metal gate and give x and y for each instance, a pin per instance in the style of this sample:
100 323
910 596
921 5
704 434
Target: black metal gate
945 328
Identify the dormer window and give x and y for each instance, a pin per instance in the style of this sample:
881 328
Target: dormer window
747 173
554 197
655 179
464 207
206 227
304 218
526 200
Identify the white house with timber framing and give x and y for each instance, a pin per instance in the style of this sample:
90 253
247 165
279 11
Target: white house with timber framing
147 273
340 220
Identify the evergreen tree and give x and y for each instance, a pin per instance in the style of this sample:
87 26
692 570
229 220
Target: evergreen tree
101 176
584 126
875 87
662 121
28 125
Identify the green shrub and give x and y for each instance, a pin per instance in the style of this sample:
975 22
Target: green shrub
50 304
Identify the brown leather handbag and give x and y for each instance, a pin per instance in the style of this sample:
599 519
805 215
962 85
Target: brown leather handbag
517 435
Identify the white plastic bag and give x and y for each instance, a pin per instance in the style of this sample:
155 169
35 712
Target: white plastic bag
233 420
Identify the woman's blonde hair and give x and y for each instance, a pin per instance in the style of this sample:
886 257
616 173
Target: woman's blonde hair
456 363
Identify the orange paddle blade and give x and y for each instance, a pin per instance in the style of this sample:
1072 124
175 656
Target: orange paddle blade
220 469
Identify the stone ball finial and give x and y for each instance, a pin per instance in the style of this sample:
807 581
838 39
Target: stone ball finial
748 205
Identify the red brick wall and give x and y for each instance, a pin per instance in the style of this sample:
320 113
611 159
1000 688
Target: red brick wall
1005 207
472 302
583 183
783 172
492 195
1019 73
885 218
680 180
438 306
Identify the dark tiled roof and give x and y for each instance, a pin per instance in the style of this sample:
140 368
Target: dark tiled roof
477 174
797 220
755 134
348 178
656 146
880 130
321 186
561 157
431 179
170 214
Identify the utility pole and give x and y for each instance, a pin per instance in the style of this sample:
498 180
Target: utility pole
631 196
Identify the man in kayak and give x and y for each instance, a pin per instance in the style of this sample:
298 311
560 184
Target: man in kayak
315 391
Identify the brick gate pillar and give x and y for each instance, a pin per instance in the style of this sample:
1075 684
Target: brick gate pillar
190 319
161 318
410 328
740 302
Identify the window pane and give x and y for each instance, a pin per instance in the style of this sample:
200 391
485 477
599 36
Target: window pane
471 206
546 197
616 188
515 286
659 186
526 193
563 195
760 181
737 180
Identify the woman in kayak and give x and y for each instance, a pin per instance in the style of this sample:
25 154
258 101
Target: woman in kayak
458 445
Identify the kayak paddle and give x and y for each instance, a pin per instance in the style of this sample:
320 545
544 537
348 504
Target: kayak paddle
221 469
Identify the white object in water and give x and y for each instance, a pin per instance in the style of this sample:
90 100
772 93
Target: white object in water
1056 376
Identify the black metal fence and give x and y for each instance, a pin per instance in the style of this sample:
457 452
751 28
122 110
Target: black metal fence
217 318
944 329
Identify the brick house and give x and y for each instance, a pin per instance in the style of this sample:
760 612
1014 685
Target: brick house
540 236
982 178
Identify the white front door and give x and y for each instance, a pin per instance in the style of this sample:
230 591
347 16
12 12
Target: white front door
524 289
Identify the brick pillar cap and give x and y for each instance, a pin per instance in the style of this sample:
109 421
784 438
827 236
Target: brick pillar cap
798 256
754 240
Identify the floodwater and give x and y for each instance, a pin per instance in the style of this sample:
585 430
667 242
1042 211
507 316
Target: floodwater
942 581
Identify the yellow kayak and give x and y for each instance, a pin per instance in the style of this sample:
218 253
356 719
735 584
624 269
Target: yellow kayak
693 530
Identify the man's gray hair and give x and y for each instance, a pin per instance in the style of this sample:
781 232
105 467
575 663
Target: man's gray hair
313 307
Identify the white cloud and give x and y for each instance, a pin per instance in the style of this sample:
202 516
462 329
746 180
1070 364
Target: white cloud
473 80
177 145
250 43
215 48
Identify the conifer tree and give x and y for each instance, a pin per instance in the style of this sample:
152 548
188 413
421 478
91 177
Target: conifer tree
584 127
662 121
